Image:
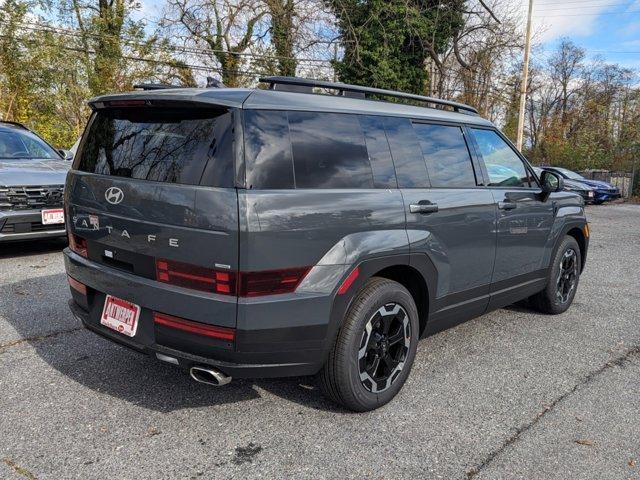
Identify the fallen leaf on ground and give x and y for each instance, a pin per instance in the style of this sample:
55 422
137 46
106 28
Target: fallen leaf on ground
632 463
585 442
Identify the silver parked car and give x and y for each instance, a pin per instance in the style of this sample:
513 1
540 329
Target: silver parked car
32 175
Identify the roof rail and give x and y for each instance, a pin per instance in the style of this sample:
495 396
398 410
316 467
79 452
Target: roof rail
306 85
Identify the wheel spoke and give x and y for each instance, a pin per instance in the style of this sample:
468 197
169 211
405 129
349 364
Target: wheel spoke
374 367
397 337
386 323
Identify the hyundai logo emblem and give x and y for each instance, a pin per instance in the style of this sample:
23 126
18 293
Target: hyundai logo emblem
113 195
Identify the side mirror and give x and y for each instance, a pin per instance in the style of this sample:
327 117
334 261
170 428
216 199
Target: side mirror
551 182
66 154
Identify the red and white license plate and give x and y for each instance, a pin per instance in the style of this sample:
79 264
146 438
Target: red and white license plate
55 215
120 315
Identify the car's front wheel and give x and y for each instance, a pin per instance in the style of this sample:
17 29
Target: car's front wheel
375 347
564 275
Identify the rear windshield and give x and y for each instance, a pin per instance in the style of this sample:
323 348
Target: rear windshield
164 145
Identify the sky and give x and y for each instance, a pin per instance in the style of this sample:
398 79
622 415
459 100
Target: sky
608 28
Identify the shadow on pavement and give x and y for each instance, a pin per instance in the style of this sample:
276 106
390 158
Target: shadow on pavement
96 363
32 247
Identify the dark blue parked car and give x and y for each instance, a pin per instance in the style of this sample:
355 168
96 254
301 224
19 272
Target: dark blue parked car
602 191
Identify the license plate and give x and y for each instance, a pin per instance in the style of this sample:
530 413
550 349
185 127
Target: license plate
120 315
55 215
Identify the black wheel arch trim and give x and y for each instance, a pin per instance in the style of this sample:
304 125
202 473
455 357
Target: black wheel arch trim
369 268
564 231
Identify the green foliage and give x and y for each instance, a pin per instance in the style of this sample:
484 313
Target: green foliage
282 13
386 42
47 75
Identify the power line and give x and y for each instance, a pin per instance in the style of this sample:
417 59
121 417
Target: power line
177 48
587 14
580 7
579 1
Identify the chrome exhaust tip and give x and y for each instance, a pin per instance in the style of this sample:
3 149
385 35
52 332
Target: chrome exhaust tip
209 375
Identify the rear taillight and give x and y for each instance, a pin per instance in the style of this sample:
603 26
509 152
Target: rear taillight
78 244
195 277
177 323
225 282
77 286
270 282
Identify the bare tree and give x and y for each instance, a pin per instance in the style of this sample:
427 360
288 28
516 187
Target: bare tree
221 30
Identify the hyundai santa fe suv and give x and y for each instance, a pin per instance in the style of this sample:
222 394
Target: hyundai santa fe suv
283 232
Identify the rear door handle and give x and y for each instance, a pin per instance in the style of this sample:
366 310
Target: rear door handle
507 205
423 208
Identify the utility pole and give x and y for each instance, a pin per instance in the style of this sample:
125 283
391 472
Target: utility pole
525 79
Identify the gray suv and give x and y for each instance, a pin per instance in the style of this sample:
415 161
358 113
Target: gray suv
284 232
32 176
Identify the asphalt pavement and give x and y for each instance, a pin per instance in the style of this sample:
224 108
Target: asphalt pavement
512 394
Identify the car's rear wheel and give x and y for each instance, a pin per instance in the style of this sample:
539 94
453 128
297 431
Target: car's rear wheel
564 276
375 347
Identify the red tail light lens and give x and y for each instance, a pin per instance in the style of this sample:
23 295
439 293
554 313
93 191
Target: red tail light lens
77 286
195 277
225 282
270 282
78 244
221 333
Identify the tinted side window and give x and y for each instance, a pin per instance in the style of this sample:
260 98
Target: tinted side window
329 151
407 156
268 150
503 165
446 154
384 175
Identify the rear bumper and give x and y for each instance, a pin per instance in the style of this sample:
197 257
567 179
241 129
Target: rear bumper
26 225
275 337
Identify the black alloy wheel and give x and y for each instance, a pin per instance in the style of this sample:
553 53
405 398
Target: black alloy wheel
384 347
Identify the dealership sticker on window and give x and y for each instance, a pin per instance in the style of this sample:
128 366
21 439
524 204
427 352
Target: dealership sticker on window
55 215
120 315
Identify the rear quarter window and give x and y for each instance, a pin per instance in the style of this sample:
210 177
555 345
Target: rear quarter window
168 145
268 150
329 151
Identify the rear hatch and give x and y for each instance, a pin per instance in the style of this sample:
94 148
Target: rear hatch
152 194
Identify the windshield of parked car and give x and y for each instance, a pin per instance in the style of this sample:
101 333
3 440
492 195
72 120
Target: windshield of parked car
22 144
569 174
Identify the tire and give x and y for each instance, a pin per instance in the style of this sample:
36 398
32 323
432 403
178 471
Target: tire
381 302
551 300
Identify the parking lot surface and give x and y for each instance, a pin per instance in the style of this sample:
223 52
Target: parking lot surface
512 394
